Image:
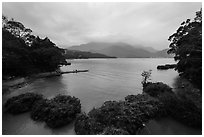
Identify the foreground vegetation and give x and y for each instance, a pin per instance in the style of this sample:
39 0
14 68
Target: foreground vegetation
22 103
56 112
113 117
130 115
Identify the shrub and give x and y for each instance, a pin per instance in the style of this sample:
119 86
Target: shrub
58 111
40 110
22 103
84 125
121 117
182 110
155 89
114 131
113 113
151 107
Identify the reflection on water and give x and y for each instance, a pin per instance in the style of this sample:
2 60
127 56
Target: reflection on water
107 79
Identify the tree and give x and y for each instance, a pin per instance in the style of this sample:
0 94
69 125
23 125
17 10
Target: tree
24 54
16 60
146 76
186 44
46 55
17 29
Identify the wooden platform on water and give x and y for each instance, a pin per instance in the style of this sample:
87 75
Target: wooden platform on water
74 71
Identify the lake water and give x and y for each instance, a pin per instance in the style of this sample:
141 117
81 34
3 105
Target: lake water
107 79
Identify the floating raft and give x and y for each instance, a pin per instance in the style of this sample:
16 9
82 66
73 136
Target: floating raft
74 71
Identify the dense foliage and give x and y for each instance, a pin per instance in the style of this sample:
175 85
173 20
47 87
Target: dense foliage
179 108
24 53
155 89
186 44
22 103
114 131
119 117
56 112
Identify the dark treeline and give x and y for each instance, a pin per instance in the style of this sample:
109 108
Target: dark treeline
186 44
24 53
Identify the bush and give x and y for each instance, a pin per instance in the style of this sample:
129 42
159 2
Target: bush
182 110
40 110
123 117
114 131
58 111
112 113
85 125
155 89
120 115
151 107
22 103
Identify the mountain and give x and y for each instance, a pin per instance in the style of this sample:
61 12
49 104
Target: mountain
163 53
125 51
92 46
150 49
75 54
120 49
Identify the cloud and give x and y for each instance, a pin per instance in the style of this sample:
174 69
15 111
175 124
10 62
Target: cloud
66 24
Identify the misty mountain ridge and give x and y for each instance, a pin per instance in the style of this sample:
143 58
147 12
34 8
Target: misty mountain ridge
76 54
122 50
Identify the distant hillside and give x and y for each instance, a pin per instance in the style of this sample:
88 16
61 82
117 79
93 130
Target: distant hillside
125 51
150 49
75 54
163 53
120 49
92 46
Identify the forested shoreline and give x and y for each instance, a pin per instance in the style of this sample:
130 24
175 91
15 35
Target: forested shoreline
24 54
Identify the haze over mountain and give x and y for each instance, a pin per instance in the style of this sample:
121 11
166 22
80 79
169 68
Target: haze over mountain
120 49
163 53
76 54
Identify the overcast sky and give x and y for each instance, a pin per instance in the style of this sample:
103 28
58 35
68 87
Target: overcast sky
67 24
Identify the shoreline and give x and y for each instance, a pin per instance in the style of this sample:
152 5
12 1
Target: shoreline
18 82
